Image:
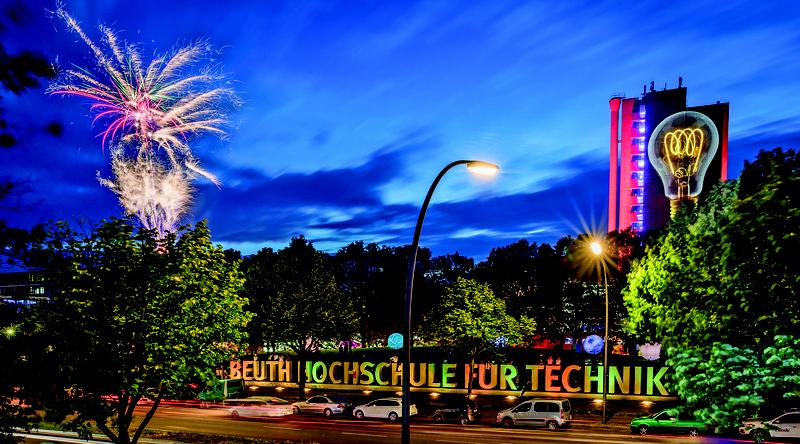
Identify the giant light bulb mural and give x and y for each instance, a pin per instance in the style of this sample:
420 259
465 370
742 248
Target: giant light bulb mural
681 149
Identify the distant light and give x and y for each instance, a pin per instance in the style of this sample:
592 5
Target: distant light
511 397
398 393
483 168
307 390
279 389
597 249
252 387
642 111
9 331
647 403
598 401
434 395
641 129
473 396
367 392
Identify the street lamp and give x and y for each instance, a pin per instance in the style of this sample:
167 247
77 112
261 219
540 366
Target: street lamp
474 166
597 250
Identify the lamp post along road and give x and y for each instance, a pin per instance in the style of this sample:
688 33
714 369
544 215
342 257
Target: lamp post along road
477 167
597 249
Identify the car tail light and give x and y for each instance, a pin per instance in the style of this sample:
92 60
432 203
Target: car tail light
561 413
341 406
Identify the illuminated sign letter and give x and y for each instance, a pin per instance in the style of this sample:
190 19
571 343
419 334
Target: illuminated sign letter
236 370
397 373
285 372
432 376
418 371
331 375
565 379
247 370
448 371
508 372
379 371
615 380
550 378
656 380
588 379
482 370
319 377
534 369
365 371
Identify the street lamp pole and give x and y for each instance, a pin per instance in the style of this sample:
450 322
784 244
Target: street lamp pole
605 348
479 168
597 249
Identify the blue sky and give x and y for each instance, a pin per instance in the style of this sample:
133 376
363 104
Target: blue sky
349 109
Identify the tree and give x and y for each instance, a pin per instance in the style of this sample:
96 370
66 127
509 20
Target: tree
297 300
131 316
720 289
472 318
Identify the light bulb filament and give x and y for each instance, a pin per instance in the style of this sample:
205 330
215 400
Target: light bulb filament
683 149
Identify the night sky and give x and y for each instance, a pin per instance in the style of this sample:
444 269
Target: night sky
350 109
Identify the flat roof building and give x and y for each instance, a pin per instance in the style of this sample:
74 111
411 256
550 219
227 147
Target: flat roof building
662 154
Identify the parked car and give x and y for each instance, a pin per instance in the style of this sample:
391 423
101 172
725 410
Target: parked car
669 421
390 408
325 404
551 413
783 426
266 406
463 410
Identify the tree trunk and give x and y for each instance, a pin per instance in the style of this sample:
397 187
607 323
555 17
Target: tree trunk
301 376
471 375
146 420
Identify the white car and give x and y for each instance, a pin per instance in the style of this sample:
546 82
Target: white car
390 408
325 404
260 407
784 426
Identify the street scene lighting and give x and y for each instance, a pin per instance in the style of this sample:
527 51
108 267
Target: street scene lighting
475 166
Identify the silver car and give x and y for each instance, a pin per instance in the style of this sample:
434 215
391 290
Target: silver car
323 404
551 413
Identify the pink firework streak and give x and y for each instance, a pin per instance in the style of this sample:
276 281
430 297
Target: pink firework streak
155 107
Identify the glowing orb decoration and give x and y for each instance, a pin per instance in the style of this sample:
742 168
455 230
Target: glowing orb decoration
395 341
593 344
651 351
681 149
501 341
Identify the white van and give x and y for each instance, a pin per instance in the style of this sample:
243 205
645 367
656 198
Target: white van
551 413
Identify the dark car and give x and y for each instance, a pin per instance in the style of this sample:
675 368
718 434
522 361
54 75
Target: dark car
464 411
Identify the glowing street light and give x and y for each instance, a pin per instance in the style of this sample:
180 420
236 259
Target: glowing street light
474 166
597 250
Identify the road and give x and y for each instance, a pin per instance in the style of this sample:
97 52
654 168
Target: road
318 429
315 428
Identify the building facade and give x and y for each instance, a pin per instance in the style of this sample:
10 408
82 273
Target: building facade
636 195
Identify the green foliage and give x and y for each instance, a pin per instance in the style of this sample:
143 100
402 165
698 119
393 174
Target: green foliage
471 317
296 297
131 316
719 288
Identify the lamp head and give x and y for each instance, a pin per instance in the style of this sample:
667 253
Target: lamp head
681 149
482 168
596 248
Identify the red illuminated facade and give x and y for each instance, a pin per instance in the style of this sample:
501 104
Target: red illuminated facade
635 193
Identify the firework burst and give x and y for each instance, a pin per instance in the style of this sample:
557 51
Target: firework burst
149 114
158 106
156 195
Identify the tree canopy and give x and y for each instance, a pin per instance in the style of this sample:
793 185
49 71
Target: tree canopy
472 318
130 316
719 289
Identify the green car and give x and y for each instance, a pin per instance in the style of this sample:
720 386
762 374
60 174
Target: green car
669 421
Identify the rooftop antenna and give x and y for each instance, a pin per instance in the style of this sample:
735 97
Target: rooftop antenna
652 85
680 82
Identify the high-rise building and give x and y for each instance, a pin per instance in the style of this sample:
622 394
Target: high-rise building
659 147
